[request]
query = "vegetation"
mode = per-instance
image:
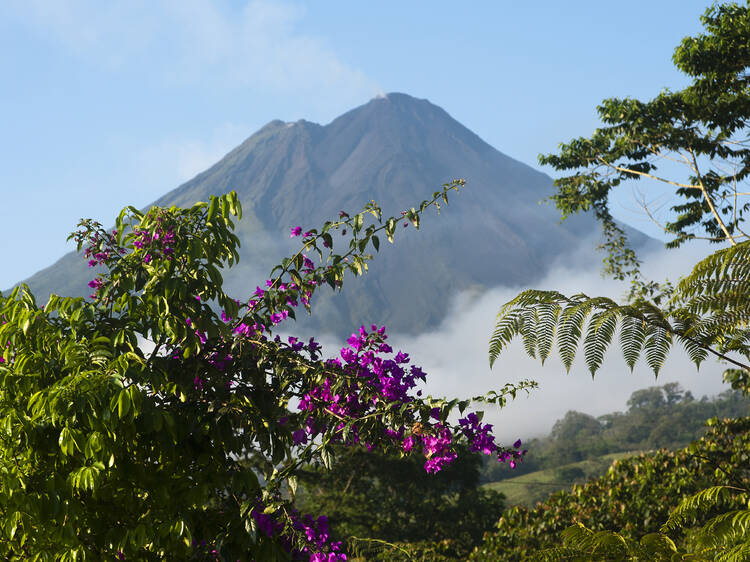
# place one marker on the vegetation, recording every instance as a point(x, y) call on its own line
point(190, 451)
point(391, 499)
point(636, 496)
point(657, 417)
point(705, 128)
point(530, 488)
point(194, 450)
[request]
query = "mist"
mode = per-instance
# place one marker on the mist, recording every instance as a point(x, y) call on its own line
point(455, 355)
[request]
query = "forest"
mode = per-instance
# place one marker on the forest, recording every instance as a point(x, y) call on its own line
point(225, 441)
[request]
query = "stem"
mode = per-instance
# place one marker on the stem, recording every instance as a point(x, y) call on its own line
point(653, 177)
point(710, 202)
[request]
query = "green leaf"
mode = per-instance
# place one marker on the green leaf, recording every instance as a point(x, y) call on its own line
point(212, 208)
point(123, 403)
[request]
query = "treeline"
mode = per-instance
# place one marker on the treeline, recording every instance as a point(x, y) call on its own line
point(372, 498)
point(635, 497)
point(657, 417)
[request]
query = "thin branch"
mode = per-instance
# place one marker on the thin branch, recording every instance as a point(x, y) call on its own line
point(710, 201)
point(653, 177)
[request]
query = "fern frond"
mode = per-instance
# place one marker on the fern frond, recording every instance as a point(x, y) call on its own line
point(738, 553)
point(548, 313)
point(695, 351)
point(725, 529)
point(656, 347)
point(691, 506)
point(579, 537)
point(658, 543)
point(530, 319)
point(599, 334)
point(632, 338)
point(508, 326)
point(717, 322)
point(570, 329)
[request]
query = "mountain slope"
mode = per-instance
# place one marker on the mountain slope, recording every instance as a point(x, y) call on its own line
point(396, 150)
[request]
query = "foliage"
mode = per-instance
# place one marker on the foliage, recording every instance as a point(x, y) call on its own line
point(703, 128)
point(657, 417)
point(390, 498)
point(530, 488)
point(724, 537)
point(187, 451)
point(636, 496)
point(707, 313)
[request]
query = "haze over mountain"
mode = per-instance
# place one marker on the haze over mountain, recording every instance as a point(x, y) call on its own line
point(396, 150)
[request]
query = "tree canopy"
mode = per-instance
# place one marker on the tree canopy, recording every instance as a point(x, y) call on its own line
point(703, 128)
point(191, 450)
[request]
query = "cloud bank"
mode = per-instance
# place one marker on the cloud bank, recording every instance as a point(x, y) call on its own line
point(258, 43)
point(456, 360)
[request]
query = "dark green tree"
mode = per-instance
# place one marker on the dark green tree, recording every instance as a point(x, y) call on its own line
point(390, 498)
point(705, 128)
point(110, 450)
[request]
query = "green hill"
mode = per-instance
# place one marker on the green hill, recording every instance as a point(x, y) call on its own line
point(533, 487)
point(634, 497)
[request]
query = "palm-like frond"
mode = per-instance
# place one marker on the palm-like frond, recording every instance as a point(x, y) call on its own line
point(709, 312)
point(693, 505)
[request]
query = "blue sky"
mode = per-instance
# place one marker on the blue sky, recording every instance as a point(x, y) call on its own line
point(105, 104)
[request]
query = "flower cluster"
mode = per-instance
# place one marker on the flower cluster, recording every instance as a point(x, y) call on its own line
point(379, 387)
point(375, 384)
point(319, 547)
point(159, 243)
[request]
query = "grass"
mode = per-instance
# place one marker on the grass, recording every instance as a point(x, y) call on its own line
point(534, 487)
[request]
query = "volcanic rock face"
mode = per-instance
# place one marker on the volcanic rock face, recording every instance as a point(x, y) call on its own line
point(396, 150)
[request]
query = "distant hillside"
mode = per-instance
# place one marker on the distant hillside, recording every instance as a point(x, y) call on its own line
point(581, 447)
point(397, 150)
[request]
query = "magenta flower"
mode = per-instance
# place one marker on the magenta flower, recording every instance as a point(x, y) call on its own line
point(296, 231)
point(299, 437)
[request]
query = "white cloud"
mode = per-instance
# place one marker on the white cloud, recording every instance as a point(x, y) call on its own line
point(260, 44)
point(455, 355)
point(172, 161)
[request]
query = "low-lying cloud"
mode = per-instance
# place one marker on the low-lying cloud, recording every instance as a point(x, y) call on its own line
point(455, 357)
point(455, 354)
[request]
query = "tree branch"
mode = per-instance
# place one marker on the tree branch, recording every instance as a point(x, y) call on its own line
point(653, 177)
point(709, 200)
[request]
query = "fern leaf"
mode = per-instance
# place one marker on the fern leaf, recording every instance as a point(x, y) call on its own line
point(658, 342)
point(578, 536)
point(690, 506)
point(529, 321)
point(546, 327)
point(738, 553)
point(725, 529)
point(695, 351)
point(632, 338)
point(658, 543)
point(570, 330)
point(507, 327)
point(599, 334)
